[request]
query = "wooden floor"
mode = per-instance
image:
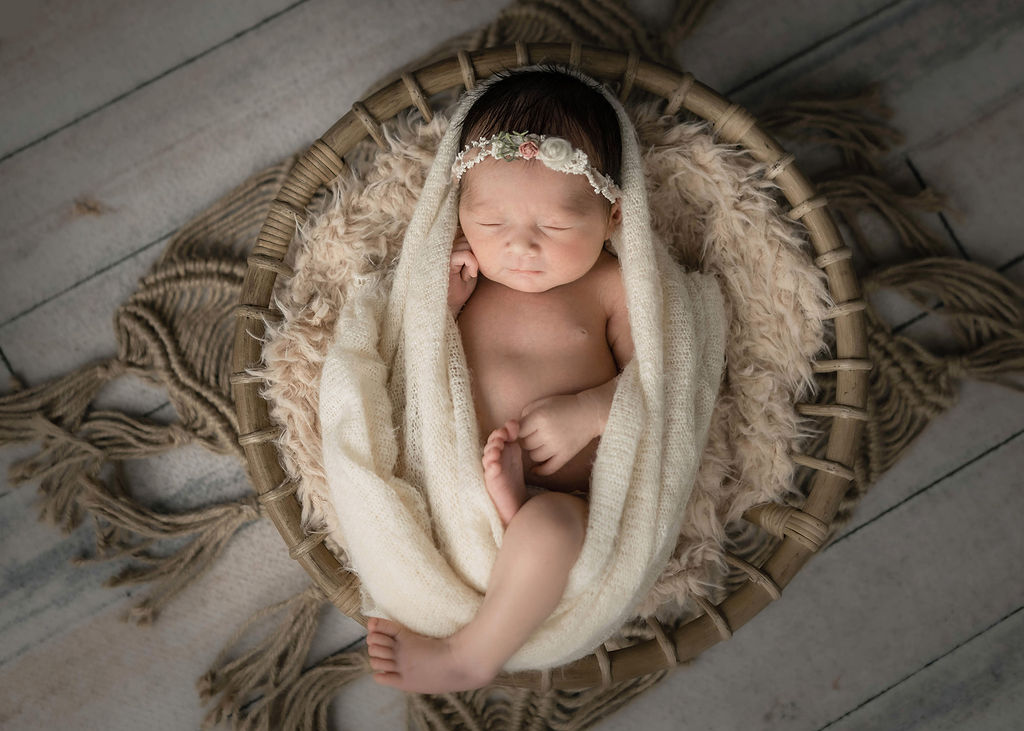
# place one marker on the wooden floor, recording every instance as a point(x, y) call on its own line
point(120, 119)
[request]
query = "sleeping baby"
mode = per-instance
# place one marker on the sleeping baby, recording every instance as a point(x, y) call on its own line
point(541, 309)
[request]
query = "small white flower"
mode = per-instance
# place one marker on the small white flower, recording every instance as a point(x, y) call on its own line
point(555, 152)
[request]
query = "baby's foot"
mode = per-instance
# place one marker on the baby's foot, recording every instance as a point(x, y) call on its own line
point(405, 660)
point(503, 470)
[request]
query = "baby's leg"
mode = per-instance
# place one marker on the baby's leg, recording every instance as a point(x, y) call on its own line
point(540, 546)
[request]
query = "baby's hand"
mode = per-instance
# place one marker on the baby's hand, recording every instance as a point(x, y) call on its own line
point(462, 274)
point(553, 430)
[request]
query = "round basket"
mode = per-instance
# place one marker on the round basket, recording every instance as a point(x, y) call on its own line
point(802, 530)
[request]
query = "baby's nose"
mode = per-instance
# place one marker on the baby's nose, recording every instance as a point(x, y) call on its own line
point(522, 242)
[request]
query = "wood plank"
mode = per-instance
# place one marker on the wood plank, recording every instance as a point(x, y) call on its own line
point(132, 173)
point(77, 328)
point(864, 614)
point(5, 371)
point(979, 684)
point(64, 59)
point(941, 63)
point(979, 168)
point(737, 41)
point(106, 674)
point(44, 593)
point(986, 415)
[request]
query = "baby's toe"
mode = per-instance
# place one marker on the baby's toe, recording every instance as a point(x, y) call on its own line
point(383, 652)
point(391, 680)
point(387, 627)
point(381, 665)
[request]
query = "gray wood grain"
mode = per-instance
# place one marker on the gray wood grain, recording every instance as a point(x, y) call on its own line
point(133, 172)
point(978, 684)
point(64, 59)
point(869, 611)
point(979, 168)
point(724, 54)
point(104, 673)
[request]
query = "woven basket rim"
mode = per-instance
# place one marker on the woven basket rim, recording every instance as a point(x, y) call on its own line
point(803, 530)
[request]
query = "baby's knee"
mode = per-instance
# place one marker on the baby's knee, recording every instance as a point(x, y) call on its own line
point(561, 516)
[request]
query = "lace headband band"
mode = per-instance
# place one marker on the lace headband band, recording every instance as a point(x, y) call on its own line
point(555, 152)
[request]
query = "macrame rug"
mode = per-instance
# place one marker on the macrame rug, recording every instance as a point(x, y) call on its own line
point(176, 332)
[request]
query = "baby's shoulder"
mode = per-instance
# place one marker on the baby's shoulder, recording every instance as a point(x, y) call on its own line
point(607, 282)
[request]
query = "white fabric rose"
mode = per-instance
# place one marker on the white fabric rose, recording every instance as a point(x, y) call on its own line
point(555, 152)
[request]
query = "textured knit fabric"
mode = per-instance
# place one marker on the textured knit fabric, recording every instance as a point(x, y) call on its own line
point(402, 448)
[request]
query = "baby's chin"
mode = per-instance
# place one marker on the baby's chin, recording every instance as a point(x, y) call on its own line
point(532, 282)
point(536, 286)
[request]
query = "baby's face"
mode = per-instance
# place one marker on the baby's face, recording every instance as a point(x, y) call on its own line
point(532, 228)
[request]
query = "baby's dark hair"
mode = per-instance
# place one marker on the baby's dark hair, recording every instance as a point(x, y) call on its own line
point(549, 102)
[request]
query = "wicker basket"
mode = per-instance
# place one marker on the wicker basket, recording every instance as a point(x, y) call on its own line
point(802, 530)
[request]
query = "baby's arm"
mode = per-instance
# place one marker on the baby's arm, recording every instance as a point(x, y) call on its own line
point(620, 339)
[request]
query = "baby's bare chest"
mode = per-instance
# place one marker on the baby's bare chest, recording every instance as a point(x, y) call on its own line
point(541, 328)
point(520, 349)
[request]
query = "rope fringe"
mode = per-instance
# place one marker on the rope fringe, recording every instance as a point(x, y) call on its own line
point(305, 702)
point(248, 685)
point(852, 195)
point(850, 123)
point(910, 383)
point(211, 527)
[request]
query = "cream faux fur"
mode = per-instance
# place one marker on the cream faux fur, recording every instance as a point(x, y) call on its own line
point(709, 202)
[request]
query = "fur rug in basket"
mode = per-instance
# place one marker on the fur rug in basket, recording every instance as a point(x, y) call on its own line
point(714, 209)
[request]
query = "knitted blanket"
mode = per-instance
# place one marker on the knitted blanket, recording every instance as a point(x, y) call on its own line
point(402, 450)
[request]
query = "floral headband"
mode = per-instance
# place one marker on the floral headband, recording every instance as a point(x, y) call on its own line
point(555, 152)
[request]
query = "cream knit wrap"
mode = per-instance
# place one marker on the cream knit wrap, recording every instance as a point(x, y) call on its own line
point(402, 449)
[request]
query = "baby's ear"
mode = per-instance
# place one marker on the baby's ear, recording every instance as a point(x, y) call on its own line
point(615, 216)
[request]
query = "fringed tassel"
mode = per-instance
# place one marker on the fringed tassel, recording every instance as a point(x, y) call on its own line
point(515, 709)
point(135, 528)
point(851, 195)
point(68, 468)
point(849, 123)
point(981, 305)
point(248, 684)
point(62, 401)
point(50, 414)
point(304, 703)
point(911, 384)
point(62, 465)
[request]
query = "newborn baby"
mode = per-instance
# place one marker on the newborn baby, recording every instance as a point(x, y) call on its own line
point(541, 310)
point(546, 330)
